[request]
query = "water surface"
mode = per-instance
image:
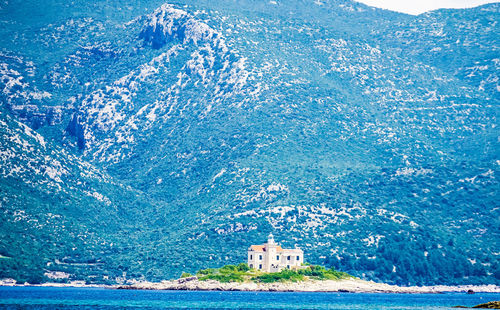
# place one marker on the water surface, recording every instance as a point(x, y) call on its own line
point(98, 298)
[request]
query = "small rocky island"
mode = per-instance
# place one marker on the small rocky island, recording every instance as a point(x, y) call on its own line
point(270, 267)
point(488, 305)
point(309, 279)
point(244, 278)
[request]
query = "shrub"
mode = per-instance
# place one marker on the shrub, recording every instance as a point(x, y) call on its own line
point(228, 269)
point(206, 271)
point(282, 276)
point(232, 273)
point(243, 267)
point(320, 272)
point(186, 275)
point(228, 273)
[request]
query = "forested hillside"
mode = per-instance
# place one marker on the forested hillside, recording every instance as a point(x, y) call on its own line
point(141, 139)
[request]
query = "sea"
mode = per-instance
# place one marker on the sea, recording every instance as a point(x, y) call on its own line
point(101, 298)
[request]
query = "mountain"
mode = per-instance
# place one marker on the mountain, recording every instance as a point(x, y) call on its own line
point(141, 139)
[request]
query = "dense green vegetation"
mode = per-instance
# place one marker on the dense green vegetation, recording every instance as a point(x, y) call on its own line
point(366, 137)
point(228, 273)
point(241, 273)
point(311, 272)
point(282, 276)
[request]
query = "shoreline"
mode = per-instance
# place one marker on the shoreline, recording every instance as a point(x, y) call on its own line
point(327, 286)
point(332, 286)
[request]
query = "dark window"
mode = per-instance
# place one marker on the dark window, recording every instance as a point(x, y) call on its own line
point(288, 266)
point(298, 257)
point(260, 266)
point(251, 256)
point(288, 258)
point(277, 257)
point(251, 265)
point(260, 257)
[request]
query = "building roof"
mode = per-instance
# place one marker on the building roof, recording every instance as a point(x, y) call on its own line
point(262, 248)
point(257, 248)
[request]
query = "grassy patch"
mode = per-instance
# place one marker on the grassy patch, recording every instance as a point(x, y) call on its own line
point(228, 273)
point(242, 273)
point(282, 276)
point(321, 273)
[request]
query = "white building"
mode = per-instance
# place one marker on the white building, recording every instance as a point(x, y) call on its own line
point(271, 257)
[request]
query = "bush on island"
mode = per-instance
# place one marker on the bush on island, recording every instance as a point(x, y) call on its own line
point(206, 271)
point(241, 272)
point(285, 275)
point(243, 267)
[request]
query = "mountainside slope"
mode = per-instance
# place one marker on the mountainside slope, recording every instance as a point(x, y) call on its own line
point(368, 138)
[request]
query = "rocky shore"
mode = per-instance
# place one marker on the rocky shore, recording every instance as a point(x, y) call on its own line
point(346, 285)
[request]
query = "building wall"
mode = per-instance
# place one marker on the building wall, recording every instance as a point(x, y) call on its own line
point(254, 259)
point(291, 258)
point(273, 261)
point(270, 257)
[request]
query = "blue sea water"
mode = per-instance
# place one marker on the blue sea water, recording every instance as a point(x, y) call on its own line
point(97, 298)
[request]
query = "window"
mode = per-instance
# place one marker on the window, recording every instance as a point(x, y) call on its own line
point(288, 266)
point(260, 257)
point(260, 266)
point(251, 256)
point(277, 257)
point(298, 257)
point(251, 265)
point(288, 258)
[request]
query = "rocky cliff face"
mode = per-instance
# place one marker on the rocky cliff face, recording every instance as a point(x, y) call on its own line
point(37, 116)
point(364, 136)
